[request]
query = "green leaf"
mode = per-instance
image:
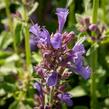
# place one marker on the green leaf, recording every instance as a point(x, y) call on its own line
point(8, 68)
point(5, 40)
point(87, 5)
point(14, 105)
point(29, 101)
point(8, 87)
point(37, 57)
point(2, 92)
point(2, 4)
point(18, 35)
point(107, 32)
point(92, 49)
point(4, 54)
point(69, 3)
point(19, 105)
point(78, 17)
point(80, 107)
point(81, 40)
point(77, 91)
point(34, 8)
point(12, 58)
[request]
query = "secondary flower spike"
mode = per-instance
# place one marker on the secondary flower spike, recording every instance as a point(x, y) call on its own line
point(58, 62)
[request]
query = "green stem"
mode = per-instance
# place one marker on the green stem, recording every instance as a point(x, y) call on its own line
point(27, 44)
point(51, 96)
point(93, 60)
point(72, 14)
point(64, 106)
point(103, 4)
point(7, 3)
point(95, 10)
point(27, 47)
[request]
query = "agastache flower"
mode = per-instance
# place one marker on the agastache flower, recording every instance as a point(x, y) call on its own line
point(57, 57)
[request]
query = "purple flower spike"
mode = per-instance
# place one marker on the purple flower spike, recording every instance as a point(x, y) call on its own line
point(62, 14)
point(65, 97)
point(52, 79)
point(56, 41)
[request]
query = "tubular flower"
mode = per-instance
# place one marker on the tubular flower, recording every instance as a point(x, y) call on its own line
point(56, 41)
point(40, 35)
point(52, 79)
point(65, 97)
point(38, 87)
point(77, 61)
point(62, 14)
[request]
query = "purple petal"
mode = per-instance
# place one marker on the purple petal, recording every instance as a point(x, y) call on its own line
point(93, 27)
point(35, 29)
point(37, 86)
point(85, 73)
point(62, 14)
point(40, 35)
point(47, 107)
point(52, 79)
point(56, 41)
point(79, 49)
point(33, 45)
point(78, 61)
point(45, 35)
point(65, 97)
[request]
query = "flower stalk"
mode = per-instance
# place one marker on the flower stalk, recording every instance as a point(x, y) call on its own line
point(71, 20)
point(26, 30)
point(95, 10)
point(93, 60)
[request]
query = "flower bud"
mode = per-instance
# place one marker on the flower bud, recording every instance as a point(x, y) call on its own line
point(67, 38)
point(93, 27)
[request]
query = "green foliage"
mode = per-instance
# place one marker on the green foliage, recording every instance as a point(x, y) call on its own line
point(5, 40)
